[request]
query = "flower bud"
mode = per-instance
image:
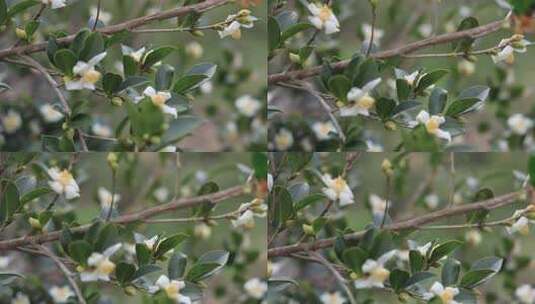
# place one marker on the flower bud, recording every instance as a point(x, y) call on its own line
point(295, 58)
point(35, 223)
point(387, 168)
point(117, 101)
point(308, 229)
point(353, 276)
point(390, 125)
point(113, 160)
point(130, 290)
point(21, 34)
point(197, 33)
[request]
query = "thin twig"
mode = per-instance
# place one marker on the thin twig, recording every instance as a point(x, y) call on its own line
point(68, 274)
point(341, 281)
point(97, 17)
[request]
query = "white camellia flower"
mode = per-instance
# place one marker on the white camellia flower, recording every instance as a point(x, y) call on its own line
point(255, 288)
point(422, 249)
point(151, 243)
point(20, 298)
point(105, 198)
point(425, 29)
point(55, 3)
point(137, 55)
point(100, 266)
point(103, 16)
point(11, 121)
point(283, 140)
point(86, 75)
point(432, 124)
point(377, 204)
point(63, 183)
point(323, 18)
point(519, 124)
point(507, 52)
point(445, 294)
point(465, 67)
point(373, 147)
point(61, 294)
point(171, 288)
point(525, 294)
point(248, 106)
point(378, 34)
point(521, 225)
point(336, 189)
point(161, 194)
point(432, 201)
point(236, 22)
point(323, 130)
point(375, 274)
point(101, 130)
point(194, 49)
point(473, 237)
point(360, 101)
point(202, 231)
point(159, 99)
point(168, 149)
point(412, 78)
point(332, 298)
point(50, 114)
point(245, 220)
point(5, 261)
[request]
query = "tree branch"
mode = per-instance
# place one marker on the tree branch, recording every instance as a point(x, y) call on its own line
point(403, 50)
point(413, 223)
point(127, 25)
point(129, 218)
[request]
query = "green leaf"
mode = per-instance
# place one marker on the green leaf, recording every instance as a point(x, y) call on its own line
point(429, 79)
point(481, 271)
point(188, 82)
point(169, 243)
point(107, 236)
point(531, 169)
point(437, 101)
point(155, 55)
point(94, 45)
point(461, 106)
point(65, 60)
point(78, 43)
point(179, 129)
point(31, 27)
point(164, 77)
point(443, 250)
point(207, 265)
point(309, 200)
point(10, 202)
point(283, 206)
point(177, 265)
point(144, 270)
point(466, 43)
point(294, 30)
point(33, 194)
point(416, 261)
point(20, 7)
point(132, 82)
point(198, 271)
point(3, 12)
point(403, 89)
point(125, 272)
point(405, 106)
point(340, 85)
point(450, 272)
point(129, 66)
point(260, 165)
point(111, 83)
point(385, 107)
point(80, 251)
point(418, 277)
point(143, 254)
point(398, 279)
point(354, 257)
point(274, 34)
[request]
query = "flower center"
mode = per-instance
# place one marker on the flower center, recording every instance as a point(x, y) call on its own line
point(448, 295)
point(172, 289)
point(106, 267)
point(379, 274)
point(325, 13)
point(159, 100)
point(366, 102)
point(339, 184)
point(65, 178)
point(432, 125)
point(91, 76)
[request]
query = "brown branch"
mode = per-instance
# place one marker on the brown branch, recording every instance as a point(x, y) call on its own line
point(403, 50)
point(413, 223)
point(127, 25)
point(129, 218)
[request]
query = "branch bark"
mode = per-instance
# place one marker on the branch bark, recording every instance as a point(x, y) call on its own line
point(127, 25)
point(402, 50)
point(129, 218)
point(413, 223)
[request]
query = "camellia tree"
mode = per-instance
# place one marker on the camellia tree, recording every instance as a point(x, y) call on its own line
point(157, 228)
point(130, 75)
point(400, 228)
point(408, 75)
